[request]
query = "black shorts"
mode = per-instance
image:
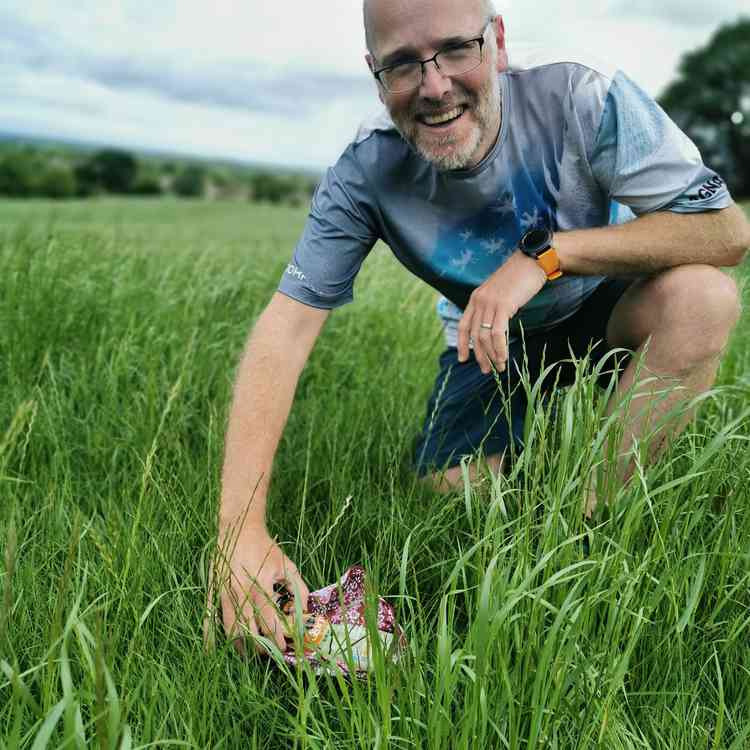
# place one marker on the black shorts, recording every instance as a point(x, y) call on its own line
point(470, 412)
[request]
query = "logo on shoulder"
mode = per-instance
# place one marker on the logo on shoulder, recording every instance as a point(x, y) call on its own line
point(292, 270)
point(708, 189)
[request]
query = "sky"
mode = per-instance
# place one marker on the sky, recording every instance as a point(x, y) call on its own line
point(276, 82)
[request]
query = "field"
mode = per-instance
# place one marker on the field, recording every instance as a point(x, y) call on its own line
point(122, 323)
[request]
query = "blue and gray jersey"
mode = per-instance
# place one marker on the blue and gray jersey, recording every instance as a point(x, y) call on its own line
point(577, 148)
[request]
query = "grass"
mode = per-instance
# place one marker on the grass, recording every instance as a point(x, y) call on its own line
point(122, 322)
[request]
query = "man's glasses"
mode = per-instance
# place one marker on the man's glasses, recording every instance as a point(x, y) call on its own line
point(454, 60)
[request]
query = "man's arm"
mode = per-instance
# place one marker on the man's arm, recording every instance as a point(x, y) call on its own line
point(276, 353)
point(655, 242)
point(651, 243)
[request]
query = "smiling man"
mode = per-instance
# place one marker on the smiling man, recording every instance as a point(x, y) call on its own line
point(452, 121)
point(554, 199)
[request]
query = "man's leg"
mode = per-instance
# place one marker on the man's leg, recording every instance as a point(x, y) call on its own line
point(678, 322)
point(452, 478)
point(468, 414)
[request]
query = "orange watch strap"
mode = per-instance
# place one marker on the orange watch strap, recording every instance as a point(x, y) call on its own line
point(550, 263)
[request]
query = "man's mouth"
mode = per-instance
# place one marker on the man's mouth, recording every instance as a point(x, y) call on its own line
point(443, 118)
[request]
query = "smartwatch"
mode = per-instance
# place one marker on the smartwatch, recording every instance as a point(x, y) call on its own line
point(537, 244)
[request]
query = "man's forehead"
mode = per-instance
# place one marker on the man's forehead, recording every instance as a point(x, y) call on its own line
point(418, 24)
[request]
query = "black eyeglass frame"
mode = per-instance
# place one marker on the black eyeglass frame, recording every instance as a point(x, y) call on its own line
point(480, 39)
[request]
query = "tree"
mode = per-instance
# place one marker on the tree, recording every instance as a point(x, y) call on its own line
point(17, 175)
point(57, 181)
point(275, 188)
point(87, 179)
point(147, 186)
point(190, 183)
point(110, 170)
point(710, 101)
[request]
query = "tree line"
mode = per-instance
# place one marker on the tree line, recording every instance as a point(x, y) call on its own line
point(29, 171)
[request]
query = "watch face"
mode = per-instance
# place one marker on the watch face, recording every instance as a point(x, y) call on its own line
point(535, 241)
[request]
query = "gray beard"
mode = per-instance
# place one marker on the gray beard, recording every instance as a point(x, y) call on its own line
point(487, 109)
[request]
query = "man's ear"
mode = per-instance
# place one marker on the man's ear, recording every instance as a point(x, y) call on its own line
point(502, 53)
point(370, 60)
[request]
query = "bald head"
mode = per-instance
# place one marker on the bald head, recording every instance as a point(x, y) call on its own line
point(370, 8)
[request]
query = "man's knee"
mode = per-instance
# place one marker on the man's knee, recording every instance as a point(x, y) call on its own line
point(452, 478)
point(697, 308)
point(690, 309)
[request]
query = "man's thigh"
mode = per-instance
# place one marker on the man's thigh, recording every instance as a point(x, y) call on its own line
point(634, 317)
point(668, 300)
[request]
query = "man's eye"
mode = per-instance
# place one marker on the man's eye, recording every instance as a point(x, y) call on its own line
point(459, 47)
point(404, 68)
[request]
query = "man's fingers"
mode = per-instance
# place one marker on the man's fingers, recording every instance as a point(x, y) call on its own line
point(237, 625)
point(483, 349)
point(298, 587)
point(500, 343)
point(269, 622)
point(487, 340)
point(249, 619)
point(464, 326)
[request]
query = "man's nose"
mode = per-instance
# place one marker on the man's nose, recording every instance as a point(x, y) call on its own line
point(434, 84)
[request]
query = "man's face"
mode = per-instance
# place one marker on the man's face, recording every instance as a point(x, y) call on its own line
point(451, 122)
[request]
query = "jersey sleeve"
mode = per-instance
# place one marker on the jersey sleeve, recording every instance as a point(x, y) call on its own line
point(338, 235)
point(642, 160)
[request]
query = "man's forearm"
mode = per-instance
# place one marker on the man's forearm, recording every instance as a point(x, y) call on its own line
point(263, 395)
point(260, 408)
point(655, 242)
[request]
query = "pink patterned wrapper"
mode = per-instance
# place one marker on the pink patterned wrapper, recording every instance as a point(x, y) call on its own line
point(335, 632)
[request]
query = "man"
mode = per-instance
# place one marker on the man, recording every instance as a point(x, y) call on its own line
point(500, 187)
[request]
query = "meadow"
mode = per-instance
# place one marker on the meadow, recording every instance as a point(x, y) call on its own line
point(121, 325)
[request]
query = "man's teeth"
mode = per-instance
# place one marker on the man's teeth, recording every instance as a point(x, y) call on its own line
point(439, 119)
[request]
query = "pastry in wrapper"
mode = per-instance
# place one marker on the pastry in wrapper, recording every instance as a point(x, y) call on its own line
point(335, 633)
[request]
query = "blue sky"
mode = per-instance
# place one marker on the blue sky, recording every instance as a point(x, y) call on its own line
point(279, 82)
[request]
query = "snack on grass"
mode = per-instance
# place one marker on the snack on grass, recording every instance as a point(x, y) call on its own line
point(335, 632)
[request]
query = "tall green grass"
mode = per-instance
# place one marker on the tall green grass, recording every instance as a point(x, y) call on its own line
point(122, 323)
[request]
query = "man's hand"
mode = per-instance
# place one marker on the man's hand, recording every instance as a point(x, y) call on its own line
point(492, 305)
point(248, 566)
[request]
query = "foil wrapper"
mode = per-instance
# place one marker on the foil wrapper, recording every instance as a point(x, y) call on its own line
point(336, 638)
